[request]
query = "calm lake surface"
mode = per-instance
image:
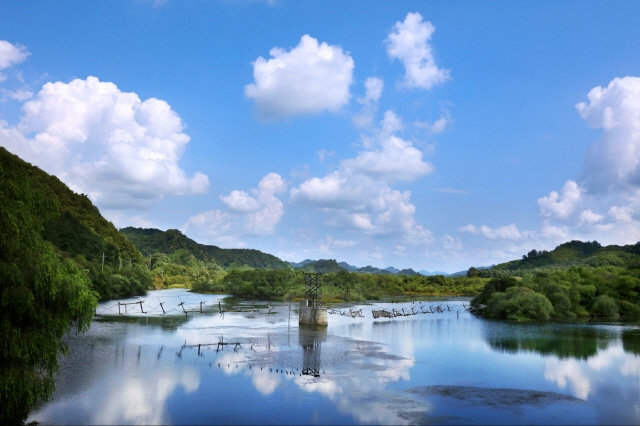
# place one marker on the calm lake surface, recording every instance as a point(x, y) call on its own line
point(442, 368)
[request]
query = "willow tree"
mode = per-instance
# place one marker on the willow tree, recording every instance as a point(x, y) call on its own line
point(41, 298)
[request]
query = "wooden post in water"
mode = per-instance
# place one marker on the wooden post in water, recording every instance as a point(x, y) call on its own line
point(201, 306)
point(162, 307)
point(119, 309)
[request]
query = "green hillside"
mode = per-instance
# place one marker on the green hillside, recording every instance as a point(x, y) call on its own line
point(573, 253)
point(184, 251)
point(79, 232)
point(322, 266)
point(77, 209)
point(80, 228)
point(372, 270)
point(43, 296)
point(576, 279)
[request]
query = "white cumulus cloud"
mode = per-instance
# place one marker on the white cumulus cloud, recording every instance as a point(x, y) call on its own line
point(250, 214)
point(409, 43)
point(310, 78)
point(357, 195)
point(615, 159)
point(508, 232)
point(604, 201)
point(558, 234)
point(562, 205)
point(621, 214)
point(589, 217)
point(108, 144)
point(390, 158)
point(373, 90)
point(11, 54)
point(20, 95)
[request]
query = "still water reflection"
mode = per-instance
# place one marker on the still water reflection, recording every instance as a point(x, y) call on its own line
point(448, 367)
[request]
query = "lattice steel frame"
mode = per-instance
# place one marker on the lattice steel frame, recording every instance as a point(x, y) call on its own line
point(311, 356)
point(313, 289)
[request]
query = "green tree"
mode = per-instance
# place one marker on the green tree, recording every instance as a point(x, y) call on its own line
point(473, 272)
point(520, 304)
point(41, 297)
point(605, 306)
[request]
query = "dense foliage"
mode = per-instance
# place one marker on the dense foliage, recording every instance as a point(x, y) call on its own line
point(182, 269)
point(77, 209)
point(79, 233)
point(567, 255)
point(41, 296)
point(606, 292)
point(322, 266)
point(337, 286)
point(182, 250)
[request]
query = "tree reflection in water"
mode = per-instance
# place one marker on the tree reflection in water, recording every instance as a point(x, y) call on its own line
point(579, 341)
point(631, 341)
point(421, 369)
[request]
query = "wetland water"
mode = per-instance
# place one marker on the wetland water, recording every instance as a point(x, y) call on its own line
point(442, 368)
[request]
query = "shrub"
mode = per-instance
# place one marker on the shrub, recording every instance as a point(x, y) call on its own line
point(629, 310)
point(605, 306)
point(495, 285)
point(520, 304)
point(207, 287)
point(561, 304)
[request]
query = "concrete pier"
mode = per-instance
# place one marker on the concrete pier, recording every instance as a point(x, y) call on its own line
point(312, 315)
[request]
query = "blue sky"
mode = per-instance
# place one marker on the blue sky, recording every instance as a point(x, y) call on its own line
point(432, 135)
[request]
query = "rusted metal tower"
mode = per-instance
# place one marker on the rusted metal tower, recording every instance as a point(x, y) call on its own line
point(313, 289)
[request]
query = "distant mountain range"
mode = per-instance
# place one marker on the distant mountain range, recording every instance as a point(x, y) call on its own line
point(427, 273)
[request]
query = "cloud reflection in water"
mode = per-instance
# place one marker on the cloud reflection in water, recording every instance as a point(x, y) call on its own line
point(364, 371)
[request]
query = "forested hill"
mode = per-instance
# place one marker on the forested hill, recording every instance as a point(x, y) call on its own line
point(75, 228)
point(321, 266)
point(80, 229)
point(325, 266)
point(576, 279)
point(183, 250)
point(575, 253)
